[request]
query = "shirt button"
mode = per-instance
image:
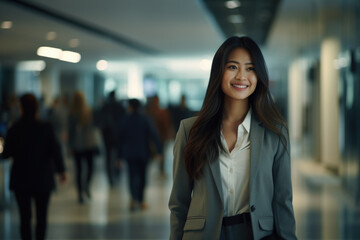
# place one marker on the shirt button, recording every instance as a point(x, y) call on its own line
point(231, 170)
point(231, 191)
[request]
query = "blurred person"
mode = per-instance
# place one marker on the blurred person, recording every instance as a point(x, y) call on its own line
point(163, 123)
point(136, 131)
point(180, 112)
point(59, 116)
point(36, 157)
point(13, 106)
point(82, 143)
point(232, 174)
point(43, 108)
point(110, 115)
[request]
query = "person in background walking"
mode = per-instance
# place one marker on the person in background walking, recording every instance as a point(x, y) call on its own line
point(162, 120)
point(37, 156)
point(111, 112)
point(136, 131)
point(82, 143)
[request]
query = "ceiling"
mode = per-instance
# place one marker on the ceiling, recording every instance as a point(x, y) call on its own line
point(246, 17)
point(123, 30)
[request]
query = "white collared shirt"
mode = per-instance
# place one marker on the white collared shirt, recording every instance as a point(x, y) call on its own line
point(235, 171)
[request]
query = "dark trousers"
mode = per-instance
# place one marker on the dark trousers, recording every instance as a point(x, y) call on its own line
point(24, 200)
point(137, 178)
point(110, 149)
point(81, 157)
point(234, 231)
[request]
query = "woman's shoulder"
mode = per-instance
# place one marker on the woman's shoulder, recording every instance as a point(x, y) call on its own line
point(188, 122)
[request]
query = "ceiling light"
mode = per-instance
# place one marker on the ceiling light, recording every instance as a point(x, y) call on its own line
point(236, 19)
point(50, 36)
point(73, 43)
point(57, 53)
point(232, 4)
point(102, 65)
point(6, 24)
point(49, 52)
point(69, 56)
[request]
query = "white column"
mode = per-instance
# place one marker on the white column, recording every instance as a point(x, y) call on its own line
point(135, 82)
point(329, 104)
point(296, 82)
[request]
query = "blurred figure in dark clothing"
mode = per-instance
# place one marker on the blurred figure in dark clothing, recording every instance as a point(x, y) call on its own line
point(136, 131)
point(36, 157)
point(13, 108)
point(82, 142)
point(59, 116)
point(110, 115)
point(163, 123)
point(180, 112)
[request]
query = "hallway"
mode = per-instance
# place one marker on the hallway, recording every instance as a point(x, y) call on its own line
point(322, 209)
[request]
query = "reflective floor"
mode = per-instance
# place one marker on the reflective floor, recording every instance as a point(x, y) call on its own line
point(323, 210)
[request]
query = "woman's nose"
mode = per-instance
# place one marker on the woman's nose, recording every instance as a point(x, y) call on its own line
point(240, 75)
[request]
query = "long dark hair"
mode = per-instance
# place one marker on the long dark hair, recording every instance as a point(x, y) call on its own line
point(204, 138)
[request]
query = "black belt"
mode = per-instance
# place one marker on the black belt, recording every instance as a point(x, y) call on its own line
point(237, 219)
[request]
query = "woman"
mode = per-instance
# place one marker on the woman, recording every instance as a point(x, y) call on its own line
point(232, 163)
point(36, 157)
point(82, 142)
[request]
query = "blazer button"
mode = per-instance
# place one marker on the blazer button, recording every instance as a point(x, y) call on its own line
point(252, 208)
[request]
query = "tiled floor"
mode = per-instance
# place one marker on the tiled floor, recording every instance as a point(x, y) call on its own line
point(322, 209)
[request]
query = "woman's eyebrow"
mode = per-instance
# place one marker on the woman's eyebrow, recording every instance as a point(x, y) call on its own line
point(236, 62)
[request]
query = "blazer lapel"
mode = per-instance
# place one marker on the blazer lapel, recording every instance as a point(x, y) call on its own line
point(215, 170)
point(256, 139)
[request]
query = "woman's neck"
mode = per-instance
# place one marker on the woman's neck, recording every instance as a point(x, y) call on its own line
point(235, 111)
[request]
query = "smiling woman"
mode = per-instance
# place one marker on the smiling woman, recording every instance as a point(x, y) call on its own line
point(232, 173)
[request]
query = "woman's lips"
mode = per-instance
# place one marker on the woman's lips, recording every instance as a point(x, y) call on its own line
point(241, 86)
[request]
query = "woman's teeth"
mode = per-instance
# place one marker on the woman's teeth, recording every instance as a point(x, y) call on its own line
point(239, 86)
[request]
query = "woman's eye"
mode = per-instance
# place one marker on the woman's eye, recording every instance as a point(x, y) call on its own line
point(251, 69)
point(232, 67)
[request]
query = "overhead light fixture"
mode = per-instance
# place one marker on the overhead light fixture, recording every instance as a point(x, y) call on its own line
point(57, 53)
point(232, 4)
point(236, 18)
point(50, 36)
point(6, 24)
point(73, 43)
point(49, 52)
point(69, 56)
point(102, 65)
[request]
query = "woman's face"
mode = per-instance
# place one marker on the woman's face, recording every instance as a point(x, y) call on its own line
point(239, 79)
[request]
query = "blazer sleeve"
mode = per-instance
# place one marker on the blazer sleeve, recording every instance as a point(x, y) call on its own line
point(282, 201)
point(180, 197)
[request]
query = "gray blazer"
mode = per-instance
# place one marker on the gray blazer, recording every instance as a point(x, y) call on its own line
point(197, 205)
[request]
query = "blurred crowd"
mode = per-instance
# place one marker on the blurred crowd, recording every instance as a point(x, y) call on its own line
point(37, 139)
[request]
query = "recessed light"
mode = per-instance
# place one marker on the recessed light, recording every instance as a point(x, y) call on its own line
point(232, 4)
point(73, 43)
point(6, 24)
point(102, 65)
point(51, 36)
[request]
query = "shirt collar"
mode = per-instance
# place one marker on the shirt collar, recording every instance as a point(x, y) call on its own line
point(247, 121)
